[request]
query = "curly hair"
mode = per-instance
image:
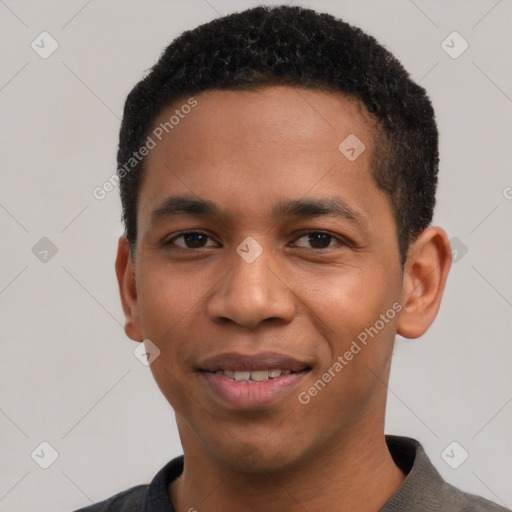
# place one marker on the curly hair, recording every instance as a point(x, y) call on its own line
point(299, 47)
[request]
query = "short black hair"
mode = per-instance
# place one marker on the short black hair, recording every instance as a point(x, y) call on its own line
point(298, 47)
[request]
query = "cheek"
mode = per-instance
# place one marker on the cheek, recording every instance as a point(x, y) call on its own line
point(171, 306)
point(347, 310)
point(166, 299)
point(168, 305)
point(359, 343)
point(348, 300)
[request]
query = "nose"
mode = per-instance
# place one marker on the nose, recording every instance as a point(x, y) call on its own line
point(251, 293)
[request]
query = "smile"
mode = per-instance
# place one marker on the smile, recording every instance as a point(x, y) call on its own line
point(252, 376)
point(251, 381)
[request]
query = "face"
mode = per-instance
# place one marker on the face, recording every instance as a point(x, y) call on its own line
point(263, 254)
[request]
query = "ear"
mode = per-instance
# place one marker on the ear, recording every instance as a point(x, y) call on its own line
point(125, 272)
point(426, 269)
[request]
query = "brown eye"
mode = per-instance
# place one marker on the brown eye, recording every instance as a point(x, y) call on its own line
point(318, 240)
point(191, 240)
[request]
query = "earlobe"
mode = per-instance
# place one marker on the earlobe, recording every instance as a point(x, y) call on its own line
point(425, 274)
point(125, 273)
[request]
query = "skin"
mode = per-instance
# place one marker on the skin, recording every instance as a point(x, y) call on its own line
point(247, 150)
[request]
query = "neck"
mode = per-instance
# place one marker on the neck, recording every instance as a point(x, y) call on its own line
point(358, 475)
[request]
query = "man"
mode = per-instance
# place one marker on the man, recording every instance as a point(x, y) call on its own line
point(278, 171)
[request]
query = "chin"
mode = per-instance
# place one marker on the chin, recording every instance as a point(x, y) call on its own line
point(258, 457)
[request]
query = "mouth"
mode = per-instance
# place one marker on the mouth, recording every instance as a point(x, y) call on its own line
point(254, 375)
point(252, 381)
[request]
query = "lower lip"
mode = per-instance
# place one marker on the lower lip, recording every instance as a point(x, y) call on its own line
point(251, 395)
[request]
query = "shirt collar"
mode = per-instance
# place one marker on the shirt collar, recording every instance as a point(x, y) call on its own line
point(420, 491)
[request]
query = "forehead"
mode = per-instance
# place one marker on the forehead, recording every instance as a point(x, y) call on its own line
point(270, 115)
point(249, 148)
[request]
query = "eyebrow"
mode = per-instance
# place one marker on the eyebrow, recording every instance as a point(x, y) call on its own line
point(184, 205)
point(307, 208)
point(295, 208)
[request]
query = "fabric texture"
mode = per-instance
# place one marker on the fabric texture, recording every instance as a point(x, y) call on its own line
point(423, 489)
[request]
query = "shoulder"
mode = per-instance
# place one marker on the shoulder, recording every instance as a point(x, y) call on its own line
point(153, 496)
point(423, 489)
point(466, 502)
point(126, 501)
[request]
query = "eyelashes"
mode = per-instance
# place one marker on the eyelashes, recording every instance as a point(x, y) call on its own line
point(195, 236)
point(194, 240)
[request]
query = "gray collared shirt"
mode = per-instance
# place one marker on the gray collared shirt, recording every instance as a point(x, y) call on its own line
point(423, 489)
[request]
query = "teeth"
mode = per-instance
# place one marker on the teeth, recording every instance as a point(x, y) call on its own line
point(242, 375)
point(259, 375)
point(256, 375)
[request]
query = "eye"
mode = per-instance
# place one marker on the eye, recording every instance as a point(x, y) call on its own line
point(191, 240)
point(319, 240)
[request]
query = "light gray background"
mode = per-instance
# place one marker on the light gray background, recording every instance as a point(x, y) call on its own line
point(68, 374)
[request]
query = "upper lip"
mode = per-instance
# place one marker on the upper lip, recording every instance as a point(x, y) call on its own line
point(252, 362)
